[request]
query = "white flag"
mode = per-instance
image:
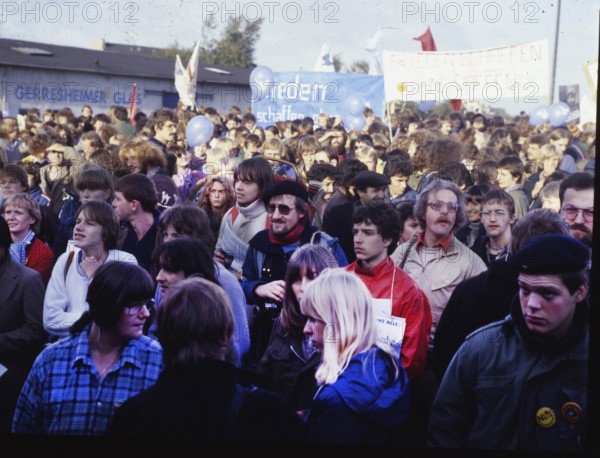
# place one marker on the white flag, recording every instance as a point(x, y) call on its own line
point(324, 62)
point(186, 78)
point(375, 47)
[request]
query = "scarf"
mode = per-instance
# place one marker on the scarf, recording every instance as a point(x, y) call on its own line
point(290, 238)
point(18, 250)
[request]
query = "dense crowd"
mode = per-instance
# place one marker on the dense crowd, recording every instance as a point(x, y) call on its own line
point(422, 282)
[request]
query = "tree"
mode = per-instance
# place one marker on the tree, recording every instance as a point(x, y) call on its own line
point(337, 63)
point(235, 48)
point(359, 66)
point(237, 45)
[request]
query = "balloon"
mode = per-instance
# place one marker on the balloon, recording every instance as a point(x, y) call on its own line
point(261, 80)
point(353, 122)
point(354, 105)
point(199, 130)
point(426, 105)
point(539, 116)
point(558, 113)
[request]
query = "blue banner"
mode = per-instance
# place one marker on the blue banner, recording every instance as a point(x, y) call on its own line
point(295, 95)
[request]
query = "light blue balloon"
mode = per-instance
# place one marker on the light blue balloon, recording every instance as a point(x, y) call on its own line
point(354, 105)
point(539, 116)
point(353, 122)
point(558, 113)
point(261, 80)
point(199, 130)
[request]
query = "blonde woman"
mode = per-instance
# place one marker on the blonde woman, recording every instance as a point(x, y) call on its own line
point(548, 159)
point(23, 216)
point(363, 389)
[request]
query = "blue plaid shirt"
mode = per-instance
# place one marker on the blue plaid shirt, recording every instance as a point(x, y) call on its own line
point(63, 393)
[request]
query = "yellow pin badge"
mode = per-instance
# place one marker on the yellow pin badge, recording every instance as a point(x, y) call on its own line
point(545, 417)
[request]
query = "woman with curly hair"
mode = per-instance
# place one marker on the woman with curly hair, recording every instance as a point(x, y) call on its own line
point(217, 197)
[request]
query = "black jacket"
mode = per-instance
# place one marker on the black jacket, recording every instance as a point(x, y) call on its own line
point(200, 403)
point(475, 302)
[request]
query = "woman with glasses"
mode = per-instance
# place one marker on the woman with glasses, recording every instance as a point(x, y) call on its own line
point(77, 384)
point(198, 396)
point(94, 243)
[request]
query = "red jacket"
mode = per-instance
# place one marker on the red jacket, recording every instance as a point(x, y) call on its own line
point(409, 302)
point(40, 258)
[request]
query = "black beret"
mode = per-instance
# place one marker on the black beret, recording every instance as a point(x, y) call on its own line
point(285, 187)
point(550, 255)
point(368, 178)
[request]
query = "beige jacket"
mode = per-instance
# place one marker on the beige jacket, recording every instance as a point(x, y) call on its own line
point(438, 273)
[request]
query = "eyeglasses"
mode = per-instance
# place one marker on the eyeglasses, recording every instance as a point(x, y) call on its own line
point(136, 308)
point(571, 212)
point(496, 213)
point(283, 209)
point(437, 205)
point(55, 151)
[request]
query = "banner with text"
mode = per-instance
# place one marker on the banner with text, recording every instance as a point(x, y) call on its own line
point(520, 72)
point(295, 95)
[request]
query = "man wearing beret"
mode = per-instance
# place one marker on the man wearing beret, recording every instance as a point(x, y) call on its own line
point(269, 251)
point(369, 186)
point(521, 383)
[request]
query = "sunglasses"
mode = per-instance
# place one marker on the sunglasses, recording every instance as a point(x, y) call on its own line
point(55, 151)
point(283, 209)
point(136, 308)
point(437, 205)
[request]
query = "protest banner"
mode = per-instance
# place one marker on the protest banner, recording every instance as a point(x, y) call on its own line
point(519, 72)
point(295, 95)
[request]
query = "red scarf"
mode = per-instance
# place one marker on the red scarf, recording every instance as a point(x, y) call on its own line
point(286, 239)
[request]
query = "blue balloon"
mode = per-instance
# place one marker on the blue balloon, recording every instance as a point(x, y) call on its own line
point(261, 80)
point(558, 113)
point(426, 105)
point(539, 116)
point(354, 105)
point(199, 130)
point(353, 122)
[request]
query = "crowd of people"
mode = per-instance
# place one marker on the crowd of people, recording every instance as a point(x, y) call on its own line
point(423, 282)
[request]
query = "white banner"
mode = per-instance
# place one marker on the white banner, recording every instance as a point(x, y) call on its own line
point(520, 72)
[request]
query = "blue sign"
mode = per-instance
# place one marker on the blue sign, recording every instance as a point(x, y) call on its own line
point(296, 95)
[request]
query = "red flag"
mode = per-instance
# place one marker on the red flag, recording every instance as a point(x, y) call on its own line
point(427, 43)
point(455, 104)
point(133, 104)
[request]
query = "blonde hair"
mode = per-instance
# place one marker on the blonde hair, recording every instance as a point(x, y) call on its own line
point(26, 202)
point(342, 301)
point(548, 151)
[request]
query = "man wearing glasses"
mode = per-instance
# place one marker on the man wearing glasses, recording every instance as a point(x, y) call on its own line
point(437, 261)
point(268, 254)
point(576, 196)
point(497, 217)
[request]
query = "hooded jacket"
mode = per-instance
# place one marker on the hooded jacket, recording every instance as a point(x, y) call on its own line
point(365, 405)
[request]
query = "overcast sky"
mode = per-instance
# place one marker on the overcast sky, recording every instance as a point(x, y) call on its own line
point(293, 32)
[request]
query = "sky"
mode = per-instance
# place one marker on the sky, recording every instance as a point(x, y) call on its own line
point(293, 32)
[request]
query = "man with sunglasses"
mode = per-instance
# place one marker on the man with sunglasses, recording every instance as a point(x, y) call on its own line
point(437, 261)
point(268, 254)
